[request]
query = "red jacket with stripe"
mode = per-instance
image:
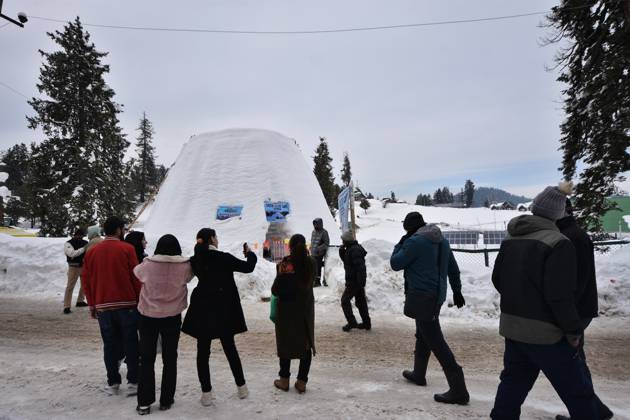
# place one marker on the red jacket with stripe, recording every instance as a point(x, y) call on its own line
point(107, 278)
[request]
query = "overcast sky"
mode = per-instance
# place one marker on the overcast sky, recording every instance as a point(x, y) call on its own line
point(415, 108)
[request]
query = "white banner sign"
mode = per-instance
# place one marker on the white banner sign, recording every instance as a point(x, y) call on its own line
point(344, 208)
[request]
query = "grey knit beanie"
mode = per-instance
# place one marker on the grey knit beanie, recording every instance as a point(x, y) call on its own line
point(347, 236)
point(551, 202)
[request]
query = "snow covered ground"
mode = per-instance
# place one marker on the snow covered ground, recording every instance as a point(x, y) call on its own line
point(51, 368)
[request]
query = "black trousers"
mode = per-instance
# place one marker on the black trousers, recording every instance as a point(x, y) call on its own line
point(305, 367)
point(203, 361)
point(561, 364)
point(358, 293)
point(429, 339)
point(168, 329)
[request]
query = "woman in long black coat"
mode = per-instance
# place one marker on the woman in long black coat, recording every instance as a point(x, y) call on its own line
point(215, 310)
point(295, 321)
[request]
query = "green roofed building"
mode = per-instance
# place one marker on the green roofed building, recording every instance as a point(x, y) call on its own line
point(613, 220)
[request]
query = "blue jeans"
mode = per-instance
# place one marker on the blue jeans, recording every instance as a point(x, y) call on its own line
point(119, 331)
point(562, 364)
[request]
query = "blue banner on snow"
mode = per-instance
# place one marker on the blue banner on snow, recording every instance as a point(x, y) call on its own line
point(227, 212)
point(277, 211)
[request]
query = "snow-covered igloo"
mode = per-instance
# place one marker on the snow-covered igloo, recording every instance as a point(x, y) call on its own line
point(236, 175)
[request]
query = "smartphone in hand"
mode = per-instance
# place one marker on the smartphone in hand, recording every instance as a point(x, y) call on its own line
point(245, 249)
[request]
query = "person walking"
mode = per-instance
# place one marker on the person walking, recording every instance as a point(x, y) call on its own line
point(215, 310)
point(426, 258)
point(535, 274)
point(295, 322)
point(139, 243)
point(353, 256)
point(320, 241)
point(586, 287)
point(112, 292)
point(163, 297)
point(75, 252)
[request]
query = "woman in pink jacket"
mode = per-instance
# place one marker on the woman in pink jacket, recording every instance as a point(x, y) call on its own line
point(163, 297)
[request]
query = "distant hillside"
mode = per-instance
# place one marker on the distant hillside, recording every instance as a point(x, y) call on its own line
point(496, 195)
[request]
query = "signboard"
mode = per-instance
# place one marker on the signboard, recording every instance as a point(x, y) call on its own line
point(344, 207)
point(277, 211)
point(227, 212)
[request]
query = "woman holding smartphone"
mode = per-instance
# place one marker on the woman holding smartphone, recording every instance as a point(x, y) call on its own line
point(215, 310)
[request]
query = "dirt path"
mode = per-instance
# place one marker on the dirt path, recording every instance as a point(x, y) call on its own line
point(51, 366)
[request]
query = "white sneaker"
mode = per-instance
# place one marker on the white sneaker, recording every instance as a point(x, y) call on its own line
point(207, 399)
point(132, 389)
point(112, 389)
point(243, 392)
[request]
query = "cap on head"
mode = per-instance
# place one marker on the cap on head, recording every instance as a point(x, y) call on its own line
point(347, 236)
point(551, 202)
point(413, 221)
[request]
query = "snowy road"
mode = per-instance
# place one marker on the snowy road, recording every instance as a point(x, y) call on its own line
point(51, 367)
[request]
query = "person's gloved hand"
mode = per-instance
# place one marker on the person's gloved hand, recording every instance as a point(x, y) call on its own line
point(458, 299)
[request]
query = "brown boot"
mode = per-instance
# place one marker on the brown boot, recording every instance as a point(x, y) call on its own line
point(300, 386)
point(282, 383)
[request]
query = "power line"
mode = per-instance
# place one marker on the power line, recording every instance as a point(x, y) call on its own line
point(314, 31)
point(17, 92)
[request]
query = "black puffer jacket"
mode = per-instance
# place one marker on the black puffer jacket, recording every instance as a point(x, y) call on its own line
point(353, 257)
point(586, 287)
point(535, 273)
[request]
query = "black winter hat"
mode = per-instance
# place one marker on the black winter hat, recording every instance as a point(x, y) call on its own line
point(413, 221)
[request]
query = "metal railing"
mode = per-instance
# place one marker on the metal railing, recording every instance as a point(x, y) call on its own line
point(487, 251)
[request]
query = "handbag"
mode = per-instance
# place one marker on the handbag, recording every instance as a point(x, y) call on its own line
point(422, 305)
point(273, 308)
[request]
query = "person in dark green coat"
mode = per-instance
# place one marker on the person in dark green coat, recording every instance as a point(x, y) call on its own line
point(295, 321)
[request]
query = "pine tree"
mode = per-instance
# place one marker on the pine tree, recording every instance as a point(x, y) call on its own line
point(84, 145)
point(15, 160)
point(486, 204)
point(324, 173)
point(145, 174)
point(469, 192)
point(346, 172)
point(424, 200)
point(437, 197)
point(595, 69)
point(365, 205)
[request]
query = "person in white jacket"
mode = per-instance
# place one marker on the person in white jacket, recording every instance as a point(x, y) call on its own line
point(75, 251)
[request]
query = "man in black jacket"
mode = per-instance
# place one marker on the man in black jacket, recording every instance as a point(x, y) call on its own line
point(586, 291)
point(535, 274)
point(353, 256)
point(75, 251)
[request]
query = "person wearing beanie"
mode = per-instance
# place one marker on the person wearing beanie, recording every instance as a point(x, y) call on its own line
point(427, 260)
point(94, 237)
point(586, 292)
point(353, 256)
point(535, 274)
point(75, 251)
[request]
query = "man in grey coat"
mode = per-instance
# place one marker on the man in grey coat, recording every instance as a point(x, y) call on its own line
point(320, 242)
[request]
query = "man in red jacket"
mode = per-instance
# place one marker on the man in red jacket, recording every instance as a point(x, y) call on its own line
point(112, 292)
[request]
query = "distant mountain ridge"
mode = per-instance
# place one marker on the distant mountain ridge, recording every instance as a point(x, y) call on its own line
point(496, 195)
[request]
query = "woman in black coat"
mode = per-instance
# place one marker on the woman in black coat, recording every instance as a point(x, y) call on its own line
point(215, 310)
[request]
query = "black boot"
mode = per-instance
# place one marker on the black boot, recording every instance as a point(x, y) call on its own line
point(457, 394)
point(364, 326)
point(418, 374)
point(349, 326)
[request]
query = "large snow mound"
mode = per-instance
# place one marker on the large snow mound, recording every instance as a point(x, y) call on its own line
point(236, 167)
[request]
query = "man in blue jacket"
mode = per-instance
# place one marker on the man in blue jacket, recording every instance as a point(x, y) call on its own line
point(427, 259)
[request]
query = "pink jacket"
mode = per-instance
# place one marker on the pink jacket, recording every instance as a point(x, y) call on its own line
point(164, 292)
